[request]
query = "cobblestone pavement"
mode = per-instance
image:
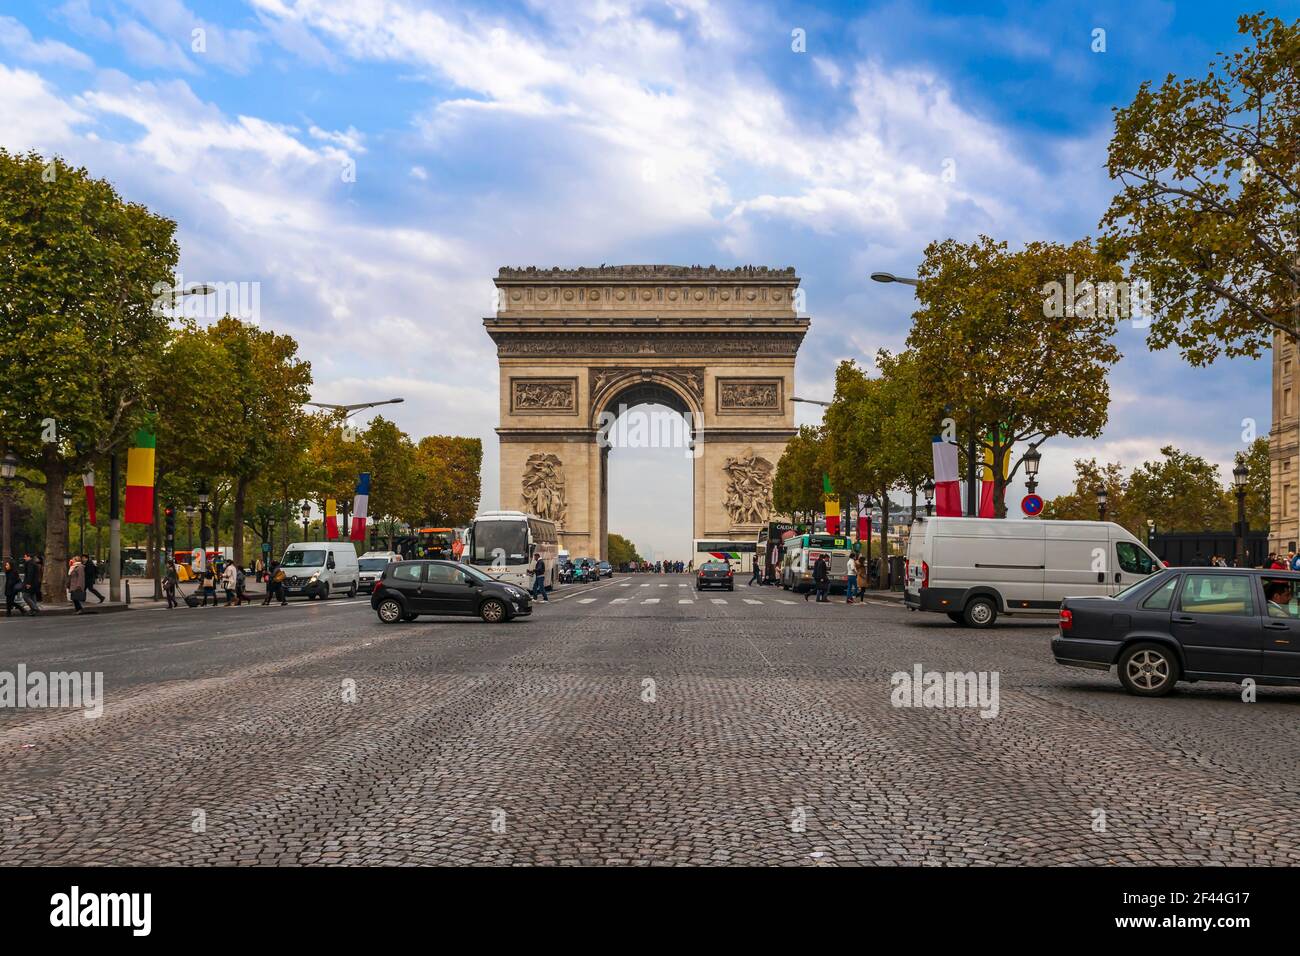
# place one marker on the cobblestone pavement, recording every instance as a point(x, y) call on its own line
point(632, 722)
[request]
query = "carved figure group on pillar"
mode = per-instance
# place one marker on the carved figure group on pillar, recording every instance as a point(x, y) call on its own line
point(543, 487)
point(749, 488)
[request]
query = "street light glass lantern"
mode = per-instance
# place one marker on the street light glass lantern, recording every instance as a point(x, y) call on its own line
point(1102, 497)
point(1239, 475)
point(1033, 458)
point(203, 499)
point(306, 510)
point(928, 488)
point(8, 466)
point(67, 500)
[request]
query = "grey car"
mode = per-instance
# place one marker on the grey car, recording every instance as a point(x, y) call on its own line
point(1192, 624)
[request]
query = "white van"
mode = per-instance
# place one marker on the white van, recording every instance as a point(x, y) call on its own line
point(317, 569)
point(973, 569)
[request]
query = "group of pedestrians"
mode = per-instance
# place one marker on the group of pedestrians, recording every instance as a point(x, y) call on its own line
point(23, 579)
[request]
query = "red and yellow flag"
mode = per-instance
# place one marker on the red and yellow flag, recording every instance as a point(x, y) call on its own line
point(331, 519)
point(139, 478)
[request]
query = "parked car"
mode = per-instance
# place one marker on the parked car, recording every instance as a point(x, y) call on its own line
point(715, 574)
point(605, 569)
point(408, 589)
point(371, 565)
point(1193, 624)
point(973, 569)
point(316, 569)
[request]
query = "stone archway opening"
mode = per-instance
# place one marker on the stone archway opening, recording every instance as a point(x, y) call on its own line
point(647, 469)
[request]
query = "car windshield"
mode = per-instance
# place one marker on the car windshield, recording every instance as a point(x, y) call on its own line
point(303, 559)
point(475, 573)
point(372, 564)
point(500, 542)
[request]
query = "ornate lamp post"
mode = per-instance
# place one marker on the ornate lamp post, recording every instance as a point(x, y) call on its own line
point(928, 488)
point(1102, 498)
point(1151, 533)
point(306, 513)
point(1032, 459)
point(1239, 476)
point(203, 523)
point(8, 468)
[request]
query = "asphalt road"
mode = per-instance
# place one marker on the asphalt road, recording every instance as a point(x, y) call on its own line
point(630, 722)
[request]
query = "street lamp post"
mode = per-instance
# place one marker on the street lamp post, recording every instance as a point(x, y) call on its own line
point(67, 519)
point(189, 527)
point(203, 523)
point(1151, 533)
point(8, 468)
point(1102, 498)
point(306, 513)
point(1032, 459)
point(1239, 476)
point(928, 488)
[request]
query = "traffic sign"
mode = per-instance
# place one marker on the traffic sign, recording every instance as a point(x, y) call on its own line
point(1031, 505)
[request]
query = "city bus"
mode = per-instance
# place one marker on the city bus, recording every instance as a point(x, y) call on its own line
point(737, 553)
point(801, 553)
point(502, 544)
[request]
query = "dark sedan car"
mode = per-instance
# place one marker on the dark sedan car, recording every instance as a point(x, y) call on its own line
point(408, 589)
point(1193, 624)
point(715, 574)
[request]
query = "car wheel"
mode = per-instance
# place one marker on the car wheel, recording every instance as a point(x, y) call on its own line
point(492, 611)
point(352, 591)
point(957, 617)
point(980, 612)
point(1148, 670)
point(390, 611)
point(325, 593)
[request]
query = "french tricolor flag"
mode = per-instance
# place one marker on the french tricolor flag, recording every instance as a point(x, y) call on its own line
point(947, 486)
point(360, 506)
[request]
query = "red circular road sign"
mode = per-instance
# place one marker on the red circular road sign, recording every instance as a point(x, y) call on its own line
point(1031, 505)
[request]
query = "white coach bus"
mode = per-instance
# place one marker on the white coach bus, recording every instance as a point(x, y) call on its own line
point(502, 544)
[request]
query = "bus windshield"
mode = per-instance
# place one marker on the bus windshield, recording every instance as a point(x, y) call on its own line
point(500, 542)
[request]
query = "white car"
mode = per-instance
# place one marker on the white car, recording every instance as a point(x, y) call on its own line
point(370, 567)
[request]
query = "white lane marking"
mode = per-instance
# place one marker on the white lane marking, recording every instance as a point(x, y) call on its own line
point(650, 601)
point(718, 600)
point(587, 601)
point(685, 601)
point(646, 585)
point(683, 585)
point(663, 585)
point(626, 584)
point(752, 601)
point(619, 601)
point(783, 601)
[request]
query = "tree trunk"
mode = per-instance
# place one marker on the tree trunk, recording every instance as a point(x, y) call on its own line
point(237, 531)
point(914, 502)
point(55, 576)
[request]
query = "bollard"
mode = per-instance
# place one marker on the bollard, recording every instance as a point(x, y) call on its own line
point(126, 585)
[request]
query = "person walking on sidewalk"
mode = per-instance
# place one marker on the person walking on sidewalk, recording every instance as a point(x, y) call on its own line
point(92, 575)
point(30, 582)
point(13, 583)
point(275, 585)
point(209, 583)
point(77, 583)
point(171, 581)
point(228, 577)
point(851, 578)
point(539, 578)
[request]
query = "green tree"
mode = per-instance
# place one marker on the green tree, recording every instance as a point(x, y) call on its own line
point(621, 550)
point(1000, 341)
point(394, 484)
point(79, 331)
point(1182, 492)
point(1081, 504)
point(1207, 212)
point(797, 486)
point(270, 385)
point(448, 469)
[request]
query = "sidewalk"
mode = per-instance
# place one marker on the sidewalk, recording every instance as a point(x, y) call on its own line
point(141, 590)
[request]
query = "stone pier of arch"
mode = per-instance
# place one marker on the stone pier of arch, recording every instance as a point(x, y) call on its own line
point(575, 346)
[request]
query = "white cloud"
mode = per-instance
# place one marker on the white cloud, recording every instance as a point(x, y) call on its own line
point(17, 41)
point(32, 116)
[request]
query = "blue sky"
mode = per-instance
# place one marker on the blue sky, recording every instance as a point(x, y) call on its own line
point(610, 131)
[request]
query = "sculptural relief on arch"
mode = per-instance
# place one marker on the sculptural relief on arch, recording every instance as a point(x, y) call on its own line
point(576, 346)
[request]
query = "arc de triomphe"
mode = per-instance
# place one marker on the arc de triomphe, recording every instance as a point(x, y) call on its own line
point(575, 346)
